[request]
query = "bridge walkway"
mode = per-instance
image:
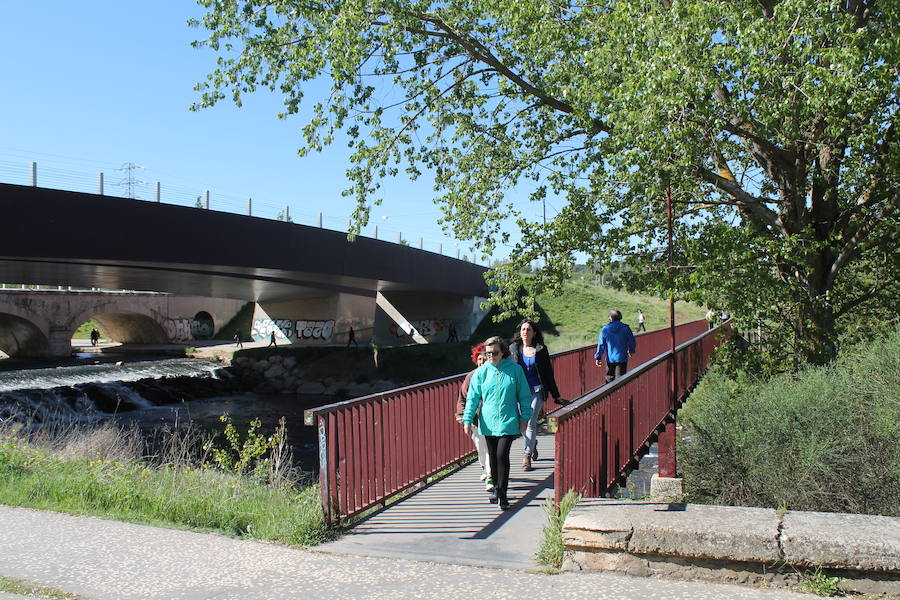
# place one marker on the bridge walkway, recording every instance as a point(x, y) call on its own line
point(452, 522)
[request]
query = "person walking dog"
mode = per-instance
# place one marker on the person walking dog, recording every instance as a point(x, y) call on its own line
point(499, 394)
point(617, 343)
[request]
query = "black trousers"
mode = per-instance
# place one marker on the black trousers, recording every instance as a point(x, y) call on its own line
point(498, 455)
point(614, 370)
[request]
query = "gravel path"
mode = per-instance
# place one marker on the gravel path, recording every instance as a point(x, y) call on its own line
point(107, 560)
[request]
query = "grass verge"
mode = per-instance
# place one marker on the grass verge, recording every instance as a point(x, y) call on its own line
point(550, 549)
point(93, 470)
point(11, 585)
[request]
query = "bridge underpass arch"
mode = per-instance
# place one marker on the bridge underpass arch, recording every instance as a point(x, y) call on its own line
point(128, 327)
point(20, 337)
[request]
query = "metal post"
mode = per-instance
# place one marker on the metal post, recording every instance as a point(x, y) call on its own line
point(440, 248)
point(421, 243)
point(287, 213)
point(399, 237)
point(206, 200)
point(33, 174)
point(320, 220)
point(457, 253)
point(376, 232)
point(100, 183)
point(668, 465)
point(157, 192)
point(249, 207)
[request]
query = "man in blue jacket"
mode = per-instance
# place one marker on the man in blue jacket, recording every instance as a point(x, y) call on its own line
point(617, 343)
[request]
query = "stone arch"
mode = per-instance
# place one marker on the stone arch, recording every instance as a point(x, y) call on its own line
point(20, 337)
point(128, 327)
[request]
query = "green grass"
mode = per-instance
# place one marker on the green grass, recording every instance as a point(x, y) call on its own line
point(823, 439)
point(819, 583)
point(84, 331)
point(574, 318)
point(583, 308)
point(202, 499)
point(11, 585)
point(550, 549)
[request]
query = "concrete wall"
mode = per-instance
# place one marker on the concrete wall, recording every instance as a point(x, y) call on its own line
point(434, 316)
point(318, 321)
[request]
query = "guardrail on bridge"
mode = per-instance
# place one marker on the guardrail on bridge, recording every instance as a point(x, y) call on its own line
point(599, 438)
point(377, 446)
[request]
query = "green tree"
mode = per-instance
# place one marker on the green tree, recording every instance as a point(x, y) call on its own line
point(774, 122)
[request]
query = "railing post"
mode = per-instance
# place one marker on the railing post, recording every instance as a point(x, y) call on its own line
point(33, 174)
point(206, 200)
point(249, 207)
point(100, 183)
point(157, 192)
point(325, 482)
point(320, 220)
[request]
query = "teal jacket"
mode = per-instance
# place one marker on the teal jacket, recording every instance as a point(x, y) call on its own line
point(504, 397)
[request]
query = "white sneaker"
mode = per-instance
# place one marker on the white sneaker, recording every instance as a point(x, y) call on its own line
point(484, 475)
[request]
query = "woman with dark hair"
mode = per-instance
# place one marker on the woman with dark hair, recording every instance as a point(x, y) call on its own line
point(499, 394)
point(528, 350)
point(479, 359)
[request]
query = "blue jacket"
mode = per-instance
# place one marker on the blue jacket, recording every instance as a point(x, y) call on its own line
point(616, 342)
point(503, 395)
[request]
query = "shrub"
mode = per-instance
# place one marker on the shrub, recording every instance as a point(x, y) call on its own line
point(823, 439)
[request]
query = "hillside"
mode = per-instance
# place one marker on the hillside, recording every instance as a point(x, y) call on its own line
point(574, 318)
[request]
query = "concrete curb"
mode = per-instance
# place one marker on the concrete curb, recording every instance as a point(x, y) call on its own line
point(734, 544)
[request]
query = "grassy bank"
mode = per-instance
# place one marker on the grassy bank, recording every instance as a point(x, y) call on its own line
point(824, 439)
point(99, 470)
point(574, 318)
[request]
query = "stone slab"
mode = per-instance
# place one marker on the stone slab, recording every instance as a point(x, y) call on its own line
point(838, 540)
point(691, 530)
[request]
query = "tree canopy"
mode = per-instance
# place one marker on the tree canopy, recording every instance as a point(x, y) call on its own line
point(773, 122)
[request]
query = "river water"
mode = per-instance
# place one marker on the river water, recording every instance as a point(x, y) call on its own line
point(151, 394)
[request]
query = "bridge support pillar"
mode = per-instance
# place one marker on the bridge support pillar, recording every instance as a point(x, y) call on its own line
point(665, 486)
point(59, 340)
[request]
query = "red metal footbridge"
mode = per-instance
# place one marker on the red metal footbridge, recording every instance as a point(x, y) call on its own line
point(377, 448)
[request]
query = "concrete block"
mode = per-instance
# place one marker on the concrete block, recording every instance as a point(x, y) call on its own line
point(692, 530)
point(666, 489)
point(838, 540)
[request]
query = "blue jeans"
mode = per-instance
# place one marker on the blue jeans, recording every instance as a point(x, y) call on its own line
point(537, 402)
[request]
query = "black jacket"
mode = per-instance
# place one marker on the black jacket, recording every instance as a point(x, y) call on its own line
point(543, 364)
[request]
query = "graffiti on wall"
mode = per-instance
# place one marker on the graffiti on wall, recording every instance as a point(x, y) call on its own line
point(178, 329)
point(287, 329)
point(184, 329)
point(428, 328)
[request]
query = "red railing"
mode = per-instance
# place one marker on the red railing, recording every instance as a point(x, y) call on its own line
point(599, 437)
point(374, 447)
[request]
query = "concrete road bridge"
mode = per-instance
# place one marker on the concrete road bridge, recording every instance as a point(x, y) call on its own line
point(308, 285)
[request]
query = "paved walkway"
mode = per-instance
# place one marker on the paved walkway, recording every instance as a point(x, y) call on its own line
point(452, 522)
point(107, 560)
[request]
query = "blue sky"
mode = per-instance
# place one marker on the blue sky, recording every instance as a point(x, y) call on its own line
point(89, 86)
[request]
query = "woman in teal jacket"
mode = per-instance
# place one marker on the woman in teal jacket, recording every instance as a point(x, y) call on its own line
point(500, 395)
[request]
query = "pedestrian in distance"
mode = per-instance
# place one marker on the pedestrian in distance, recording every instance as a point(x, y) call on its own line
point(711, 318)
point(499, 394)
point(95, 337)
point(351, 338)
point(528, 351)
point(640, 317)
point(479, 359)
point(616, 342)
point(272, 340)
point(237, 339)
